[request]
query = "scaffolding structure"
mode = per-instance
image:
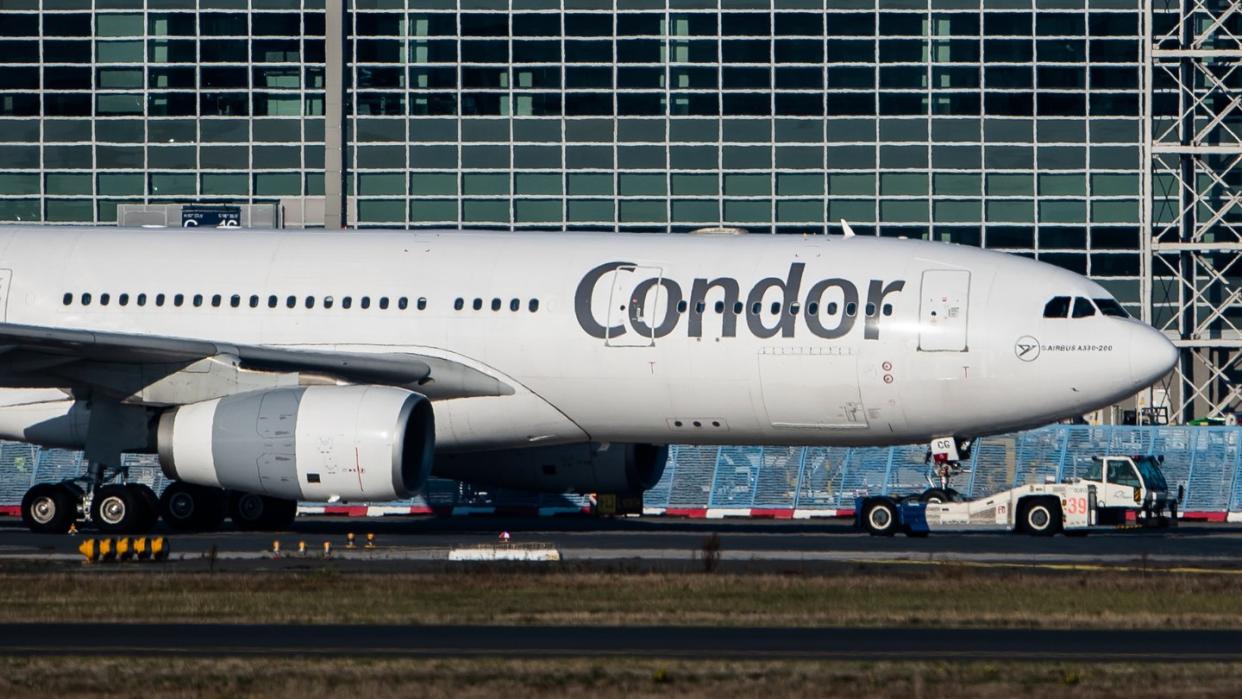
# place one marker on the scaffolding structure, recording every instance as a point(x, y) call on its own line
point(1192, 218)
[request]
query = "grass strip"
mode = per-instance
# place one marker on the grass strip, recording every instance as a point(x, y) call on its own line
point(865, 596)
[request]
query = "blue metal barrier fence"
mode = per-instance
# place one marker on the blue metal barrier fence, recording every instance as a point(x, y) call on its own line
point(811, 480)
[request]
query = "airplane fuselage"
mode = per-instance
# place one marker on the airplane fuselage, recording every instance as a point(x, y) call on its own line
point(625, 337)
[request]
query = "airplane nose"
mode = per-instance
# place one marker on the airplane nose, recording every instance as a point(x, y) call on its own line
point(1151, 355)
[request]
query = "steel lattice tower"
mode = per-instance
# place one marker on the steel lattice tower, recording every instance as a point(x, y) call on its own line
point(1192, 271)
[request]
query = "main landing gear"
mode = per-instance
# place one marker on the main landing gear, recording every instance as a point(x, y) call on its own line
point(101, 495)
point(133, 508)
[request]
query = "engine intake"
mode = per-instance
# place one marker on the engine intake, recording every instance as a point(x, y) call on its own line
point(575, 468)
point(306, 443)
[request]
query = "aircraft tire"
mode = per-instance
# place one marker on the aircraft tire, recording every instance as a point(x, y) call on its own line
point(188, 507)
point(49, 508)
point(119, 509)
point(252, 512)
point(879, 517)
point(935, 496)
point(151, 507)
point(1039, 516)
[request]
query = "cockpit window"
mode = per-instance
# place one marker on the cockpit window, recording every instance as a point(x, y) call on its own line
point(1083, 308)
point(1110, 307)
point(1058, 307)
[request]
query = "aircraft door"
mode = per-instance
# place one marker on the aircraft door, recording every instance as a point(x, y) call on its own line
point(809, 389)
point(637, 306)
point(5, 276)
point(943, 310)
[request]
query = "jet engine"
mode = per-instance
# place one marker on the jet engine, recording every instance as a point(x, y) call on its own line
point(307, 443)
point(578, 468)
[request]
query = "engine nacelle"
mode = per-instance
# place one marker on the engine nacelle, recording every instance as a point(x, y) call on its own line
point(575, 468)
point(307, 443)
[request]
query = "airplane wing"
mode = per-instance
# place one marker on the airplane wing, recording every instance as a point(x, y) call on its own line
point(114, 362)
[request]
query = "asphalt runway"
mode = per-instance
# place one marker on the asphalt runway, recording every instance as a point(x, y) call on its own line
point(404, 542)
point(636, 641)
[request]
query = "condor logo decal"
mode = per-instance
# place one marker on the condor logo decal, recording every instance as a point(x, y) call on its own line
point(838, 297)
point(1026, 348)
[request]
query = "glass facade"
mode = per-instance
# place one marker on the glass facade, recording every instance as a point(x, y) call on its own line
point(1013, 124)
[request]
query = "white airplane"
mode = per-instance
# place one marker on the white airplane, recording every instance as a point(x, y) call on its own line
point(267, 367)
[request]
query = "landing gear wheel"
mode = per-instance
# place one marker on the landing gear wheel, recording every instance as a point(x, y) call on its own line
point(151, 506)
point(936, 496)
point(250, 511)
point(121, 509)
point(49, 508)
point(1039, 517)
point(187, 507)
point(879, 517)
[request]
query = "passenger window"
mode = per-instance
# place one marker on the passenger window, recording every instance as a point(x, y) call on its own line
point(851, 308)
point(67, 299)
point(831, 308)
point(514, 305)
point(364, 302)
point(159, 299)
point(142, 299)
point(198, 300)
point(534, 305)
point(383, 304)
point(755, 308)
point(720, 306)
point(422, 303)
point(1083, 308)
point(327, 302)
point(888, 309)
point(254, 300)
point(812, 308)
point(403, 303)
point(1110, 307)
point(478, 304)
point(793, 309)
point(215, 300)
point(870, 310)
point(104, 298)
point(347, 302)
point(776, 308)
point(700, 307)
point(178, 300)
point(310, 301)
point(86, 299)
point(235, 300)
point(459, 304)
point(737, 308)
point(495, 304)
point(1058, 307)
point(123, 299)
point(291, 301)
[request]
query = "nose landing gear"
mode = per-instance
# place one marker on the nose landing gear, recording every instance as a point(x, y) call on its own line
point(944, 462)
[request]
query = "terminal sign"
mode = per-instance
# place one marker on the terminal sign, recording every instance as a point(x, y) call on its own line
point(211, 216)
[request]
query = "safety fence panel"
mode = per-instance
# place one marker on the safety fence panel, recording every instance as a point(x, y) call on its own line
point(1204, 460)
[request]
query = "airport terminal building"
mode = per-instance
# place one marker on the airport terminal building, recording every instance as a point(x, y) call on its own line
point(971, 120)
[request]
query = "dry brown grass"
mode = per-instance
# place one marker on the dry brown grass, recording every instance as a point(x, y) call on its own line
point(491, 596)
point(71, 678)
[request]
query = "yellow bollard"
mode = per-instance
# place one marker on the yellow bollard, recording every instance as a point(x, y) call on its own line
point(327, 549)
point(276, 548)
point(142, 548)
point(301, 548)
point(159, 548)
point(370, 540)
point(124, 549)
point(89, 549)
point(107, 550)
point(349, 540)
